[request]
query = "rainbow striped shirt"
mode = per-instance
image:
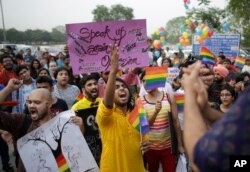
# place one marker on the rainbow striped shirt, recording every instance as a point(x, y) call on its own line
point(159, 134)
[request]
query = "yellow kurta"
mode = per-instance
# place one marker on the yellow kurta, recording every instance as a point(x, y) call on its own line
point(120, 142)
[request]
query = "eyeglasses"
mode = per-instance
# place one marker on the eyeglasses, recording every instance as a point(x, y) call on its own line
point(226, 95)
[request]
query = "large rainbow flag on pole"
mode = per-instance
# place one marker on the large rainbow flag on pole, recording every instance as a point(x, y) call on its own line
point(155, 77)
point(239, 62)
point(207, 56)
point(138, 118)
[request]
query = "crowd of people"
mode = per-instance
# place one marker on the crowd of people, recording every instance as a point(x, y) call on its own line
point(36, 88)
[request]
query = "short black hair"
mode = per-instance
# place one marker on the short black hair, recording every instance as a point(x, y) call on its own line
point(44, 79)
point(19, 68)
point(222, 57)
point(4, 56)
point(61, 69)
point(241, 77)
point(41, 69)
point(229, 88)
point(226, 60)
point(86, 78)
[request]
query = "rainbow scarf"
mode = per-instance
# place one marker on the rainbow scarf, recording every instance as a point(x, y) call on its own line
point(155, 77)
point(62, 164)
point(207, 56)
point(239, 62)
point(138, 118)
point(179, 98)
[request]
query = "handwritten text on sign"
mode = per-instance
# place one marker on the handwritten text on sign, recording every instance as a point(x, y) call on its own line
point(88, 44)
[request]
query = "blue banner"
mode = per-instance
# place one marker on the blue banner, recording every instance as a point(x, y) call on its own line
point(229, 44)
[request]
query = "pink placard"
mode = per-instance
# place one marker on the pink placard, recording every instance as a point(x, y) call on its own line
point(88, 44)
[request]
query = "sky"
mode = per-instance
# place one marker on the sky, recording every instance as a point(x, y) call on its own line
point(47, 14)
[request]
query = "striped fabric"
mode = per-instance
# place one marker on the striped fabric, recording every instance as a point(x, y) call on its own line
point(159, 134)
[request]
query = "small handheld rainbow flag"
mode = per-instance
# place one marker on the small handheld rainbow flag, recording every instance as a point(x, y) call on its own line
point(239, 62)
point(155, 77)
point(138, 118)
point(207, 56)
point(176, 62)
point(179, 98)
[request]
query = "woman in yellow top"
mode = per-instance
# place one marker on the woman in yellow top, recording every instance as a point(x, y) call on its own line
point(121, 142)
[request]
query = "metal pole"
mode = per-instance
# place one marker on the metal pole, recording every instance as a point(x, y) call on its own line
point(4, 35)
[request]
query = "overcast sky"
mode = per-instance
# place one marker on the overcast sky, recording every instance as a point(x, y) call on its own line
point(46, 14)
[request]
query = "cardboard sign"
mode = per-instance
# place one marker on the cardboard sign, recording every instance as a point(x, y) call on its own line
point(57, 145)
point(88, 44)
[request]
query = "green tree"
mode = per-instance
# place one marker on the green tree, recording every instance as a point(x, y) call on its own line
point(204, 2)
point(173, 29)
point(14, 35)
point(240, 11)
point(57, 36)
point(119, 12)
point(209, 15)
point(116, 12)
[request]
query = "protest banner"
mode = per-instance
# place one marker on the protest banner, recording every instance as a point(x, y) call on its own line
point(229, 44)
point(57, 145)
point(91, 132)
point(88, 44)
point(172, 73)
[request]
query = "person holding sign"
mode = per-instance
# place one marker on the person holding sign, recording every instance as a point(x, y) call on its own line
point(121, 141)
point(39, 103)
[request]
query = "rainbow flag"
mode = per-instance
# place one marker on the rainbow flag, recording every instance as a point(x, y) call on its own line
point(207, 56)
point(239, 62)
point(176, 62)
point(155, 77)
point(179, 98)
point(138, 118)
point(62, 164)
point(79, 97)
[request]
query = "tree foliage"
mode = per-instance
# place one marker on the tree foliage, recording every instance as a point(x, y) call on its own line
point(36, 36)
point(211, 16)
point(240, 11)
point(204, 2)
point(172, 29)
point(116, 12)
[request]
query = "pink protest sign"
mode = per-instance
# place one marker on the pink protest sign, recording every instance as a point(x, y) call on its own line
point(88, 44)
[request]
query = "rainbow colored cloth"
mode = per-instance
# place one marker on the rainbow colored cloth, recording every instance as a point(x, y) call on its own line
point(62, 164)
point(155, 77)
point(207, 56)
point(239, 62)
point(138, 118)
point(179, 98)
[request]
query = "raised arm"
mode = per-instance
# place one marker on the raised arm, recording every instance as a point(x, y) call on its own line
point(195, 95)
point(12, 85)
point(108, 99)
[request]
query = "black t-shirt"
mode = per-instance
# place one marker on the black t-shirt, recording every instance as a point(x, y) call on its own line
point(58, 107)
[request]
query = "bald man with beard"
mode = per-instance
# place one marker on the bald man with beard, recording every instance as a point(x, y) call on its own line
point(39, 103)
